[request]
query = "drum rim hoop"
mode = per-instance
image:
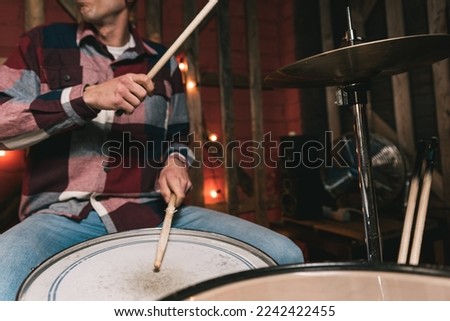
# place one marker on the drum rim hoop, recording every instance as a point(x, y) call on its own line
point(428, 270)
point(137, 233)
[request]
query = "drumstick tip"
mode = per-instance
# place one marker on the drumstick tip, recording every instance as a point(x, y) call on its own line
point(156, 267)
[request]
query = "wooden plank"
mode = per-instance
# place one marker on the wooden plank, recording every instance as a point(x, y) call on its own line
point(359, 16)
point(256, 110)
point(400, 83)
point(153, 24)
point(437, 20)
point(226, 105)
point(334, 121)
point(34, 13)
point(365, 8)
point(194, 104)
point(70, 7)
point(212, 79)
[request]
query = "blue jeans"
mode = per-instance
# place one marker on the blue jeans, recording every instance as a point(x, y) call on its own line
point(41, 236)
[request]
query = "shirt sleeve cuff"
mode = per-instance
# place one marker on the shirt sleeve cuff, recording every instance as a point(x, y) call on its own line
point(75, 106)
point(183, 153)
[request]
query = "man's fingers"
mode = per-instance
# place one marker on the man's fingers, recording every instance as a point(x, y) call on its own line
point(145, 82)
point(189, 188)
point(179, 192)
point(123, 93)
point(176, 186)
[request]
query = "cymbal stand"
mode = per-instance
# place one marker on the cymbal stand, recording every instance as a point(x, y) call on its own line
point(355, 95)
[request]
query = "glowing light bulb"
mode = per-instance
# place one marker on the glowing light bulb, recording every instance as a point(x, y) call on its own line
point(2, 153)
point(183, 66)
point(191, 84)
point(213, 137)
point(214, 193)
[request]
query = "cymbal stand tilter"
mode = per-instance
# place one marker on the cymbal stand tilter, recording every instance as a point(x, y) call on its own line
point(355, 95)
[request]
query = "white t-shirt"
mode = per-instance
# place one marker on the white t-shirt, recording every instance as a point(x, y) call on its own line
point(118, 51)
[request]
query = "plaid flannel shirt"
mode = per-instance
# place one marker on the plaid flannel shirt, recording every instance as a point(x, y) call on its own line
point(80, 159)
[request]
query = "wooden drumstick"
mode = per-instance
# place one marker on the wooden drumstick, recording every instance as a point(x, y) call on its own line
point(423, 203)
point(411, 204)
point(165, 230)
point(182, 37)
point(180, 40)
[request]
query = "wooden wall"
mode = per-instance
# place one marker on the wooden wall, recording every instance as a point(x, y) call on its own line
point(277, 110)
point(403, 108)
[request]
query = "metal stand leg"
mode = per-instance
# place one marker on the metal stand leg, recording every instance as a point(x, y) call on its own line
point(355, 95)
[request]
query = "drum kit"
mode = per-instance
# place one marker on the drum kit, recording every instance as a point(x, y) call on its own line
point(205, 266)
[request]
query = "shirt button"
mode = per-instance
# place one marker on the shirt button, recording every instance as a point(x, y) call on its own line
point(66, 77)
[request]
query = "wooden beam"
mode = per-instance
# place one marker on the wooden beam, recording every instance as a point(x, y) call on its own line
point(334, 121)
point(212, 79)
point(358, 18)
point(34, 13)
point(256, 110)
point(194, 103)
point(245, 181)
point(70, 7)
point(400, 83)
point(153, 24)
point(365, 8)
point(437, 20)
point(226, 99)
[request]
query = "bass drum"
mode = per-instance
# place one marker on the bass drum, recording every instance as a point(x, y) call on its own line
point(315, 282)
point(120, 266)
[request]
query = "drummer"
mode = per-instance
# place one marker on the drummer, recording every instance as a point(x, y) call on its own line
point(88, 173)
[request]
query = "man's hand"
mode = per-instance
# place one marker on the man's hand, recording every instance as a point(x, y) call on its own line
point(174, 178)
point(122, 93)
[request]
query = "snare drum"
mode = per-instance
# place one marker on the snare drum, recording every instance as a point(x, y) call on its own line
point(120, 266)
point(336, 282)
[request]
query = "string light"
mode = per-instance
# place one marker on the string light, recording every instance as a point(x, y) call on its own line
point(214, 193)
point(191, 84)
point(183, 66)
point(213, 137)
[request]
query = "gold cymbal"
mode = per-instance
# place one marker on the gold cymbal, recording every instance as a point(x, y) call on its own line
point(362, 62)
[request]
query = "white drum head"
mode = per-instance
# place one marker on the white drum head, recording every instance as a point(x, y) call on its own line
point(120, 266)
point(321, 282)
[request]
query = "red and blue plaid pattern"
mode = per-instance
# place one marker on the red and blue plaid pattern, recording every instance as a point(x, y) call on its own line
point(80, 159)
